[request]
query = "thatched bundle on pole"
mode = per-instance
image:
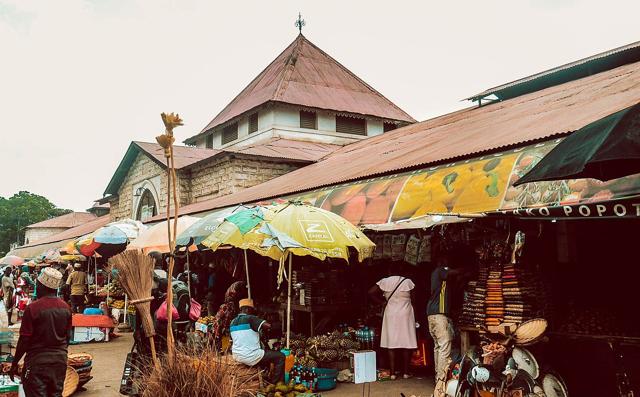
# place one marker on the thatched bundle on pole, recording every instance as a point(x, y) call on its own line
point(166, 140)
point(135, 272)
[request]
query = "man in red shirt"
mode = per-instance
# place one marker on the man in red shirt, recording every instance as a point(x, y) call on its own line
point(44, 336)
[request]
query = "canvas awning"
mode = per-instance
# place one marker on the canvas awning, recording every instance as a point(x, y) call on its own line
point(35, 250)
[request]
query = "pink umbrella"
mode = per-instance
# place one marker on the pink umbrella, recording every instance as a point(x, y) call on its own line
point(11, 260)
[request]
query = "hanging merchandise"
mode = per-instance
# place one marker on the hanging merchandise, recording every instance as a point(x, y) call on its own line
point(398, 247)
point(411, 252)
point(386, 246)
point(378, 239)
point(424, 250)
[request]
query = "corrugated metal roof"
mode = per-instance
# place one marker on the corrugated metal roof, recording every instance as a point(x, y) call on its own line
point(80, 230)
point(556, 110)
point(183, 156)
point(287, 149)
point(594, 64)
point(305, 75)
point(67, 220)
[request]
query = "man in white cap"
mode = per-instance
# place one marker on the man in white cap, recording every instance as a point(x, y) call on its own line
point(44, 336)
point(78, 282)
point(245, 334)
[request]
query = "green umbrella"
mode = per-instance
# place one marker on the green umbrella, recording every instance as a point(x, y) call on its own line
point(606, 149)
point(204, 227)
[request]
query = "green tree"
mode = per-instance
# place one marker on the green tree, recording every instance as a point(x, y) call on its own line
point(21, 210)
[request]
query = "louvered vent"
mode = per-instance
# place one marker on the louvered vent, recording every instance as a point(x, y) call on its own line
point(253, 123)
point(351, 125)
point(230, 133)
point(308, 120)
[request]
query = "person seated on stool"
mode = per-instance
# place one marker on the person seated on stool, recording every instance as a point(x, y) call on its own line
point(245, 334)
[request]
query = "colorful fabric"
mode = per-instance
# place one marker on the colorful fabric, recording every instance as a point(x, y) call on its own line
point(229, 309)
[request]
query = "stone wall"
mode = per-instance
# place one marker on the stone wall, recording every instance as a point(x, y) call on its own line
point(232, 173)
point(146, 173)
point(32, 235)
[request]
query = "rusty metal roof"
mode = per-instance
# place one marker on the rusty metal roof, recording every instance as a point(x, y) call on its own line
point(305, 75)
point(69, 220)
point(594, 64)
point(289, 149)
point(535, 116)
point(183, 156)
point(80, 230)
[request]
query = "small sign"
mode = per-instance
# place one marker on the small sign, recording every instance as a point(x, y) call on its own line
point(316, 231)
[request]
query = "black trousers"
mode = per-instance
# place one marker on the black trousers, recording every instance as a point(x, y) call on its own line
point(44, 380)
point(277, 359)
point(77, 303)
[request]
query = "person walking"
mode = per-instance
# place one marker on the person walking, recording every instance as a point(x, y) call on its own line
point(78, 282)
point(398, 323)
point(8, 287)
point(44, 336)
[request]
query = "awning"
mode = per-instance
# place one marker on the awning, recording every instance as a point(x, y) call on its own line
point(474, 186)
point(626, 208)
point(35, 250)
point(606, 149)
point(423, 222)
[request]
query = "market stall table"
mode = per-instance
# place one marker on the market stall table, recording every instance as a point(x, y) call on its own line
point(88, 328)
point(315, 309)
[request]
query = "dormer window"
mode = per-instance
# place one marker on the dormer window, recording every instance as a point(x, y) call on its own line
point(253, 123)
point(351, 125)
point(308, 120)
point(230, 133)
point(209, 141)
point(386, 127)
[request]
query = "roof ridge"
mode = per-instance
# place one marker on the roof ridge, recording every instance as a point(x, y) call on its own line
point(258, 77)
point(290, 66)
point(376, 92)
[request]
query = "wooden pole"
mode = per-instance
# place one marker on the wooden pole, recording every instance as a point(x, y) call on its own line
point(289, 300)
point(169, 301)
point(246, 270)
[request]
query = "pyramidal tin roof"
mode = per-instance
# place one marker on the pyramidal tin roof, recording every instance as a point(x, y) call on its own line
point(305, 75)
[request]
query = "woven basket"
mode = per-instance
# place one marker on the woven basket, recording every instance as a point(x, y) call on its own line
point(71, 381)
point(530, 331)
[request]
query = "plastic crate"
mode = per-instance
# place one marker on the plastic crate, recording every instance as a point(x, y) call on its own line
point(327, 378)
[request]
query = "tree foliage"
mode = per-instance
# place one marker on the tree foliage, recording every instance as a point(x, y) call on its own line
point(21, 210)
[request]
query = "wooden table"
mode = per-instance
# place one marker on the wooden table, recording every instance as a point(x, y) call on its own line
point(315, 309)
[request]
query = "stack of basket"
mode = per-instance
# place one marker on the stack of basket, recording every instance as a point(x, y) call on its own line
point(82, 364)
point(495, 299)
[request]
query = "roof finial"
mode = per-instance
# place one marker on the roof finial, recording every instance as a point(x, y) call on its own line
point(299, 22)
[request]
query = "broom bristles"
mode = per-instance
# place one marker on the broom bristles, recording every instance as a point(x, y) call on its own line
point(135, 272)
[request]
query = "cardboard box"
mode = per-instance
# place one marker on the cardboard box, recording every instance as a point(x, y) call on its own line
point(90, 334)
point(363, 365)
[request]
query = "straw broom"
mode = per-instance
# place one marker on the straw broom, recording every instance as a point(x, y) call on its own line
point(135, 271)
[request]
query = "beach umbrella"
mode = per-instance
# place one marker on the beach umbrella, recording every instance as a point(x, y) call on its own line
point(606, 149)
point(110, 239)
point(204, 226)
point(11, 260)
point(155, 237)
point(280, 231)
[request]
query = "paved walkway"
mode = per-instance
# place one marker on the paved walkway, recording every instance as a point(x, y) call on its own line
point(108, 362)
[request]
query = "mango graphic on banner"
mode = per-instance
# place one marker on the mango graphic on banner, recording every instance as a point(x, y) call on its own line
point(474, 186)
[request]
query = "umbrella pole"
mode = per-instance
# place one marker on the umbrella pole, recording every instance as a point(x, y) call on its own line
point(188, 274)
point(246, 270)
point(95, 273)
point(289, 301)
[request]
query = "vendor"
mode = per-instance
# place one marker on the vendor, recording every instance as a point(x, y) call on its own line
point(78, 283)
point(8, 286)
point(245, 334)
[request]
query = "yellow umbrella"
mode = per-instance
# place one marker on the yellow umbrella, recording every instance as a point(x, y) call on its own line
point(155, 237)
point(282, 230)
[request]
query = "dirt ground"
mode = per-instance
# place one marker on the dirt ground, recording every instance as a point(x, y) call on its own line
point(108, 362)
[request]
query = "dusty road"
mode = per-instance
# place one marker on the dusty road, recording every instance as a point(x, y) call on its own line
point(108, 361)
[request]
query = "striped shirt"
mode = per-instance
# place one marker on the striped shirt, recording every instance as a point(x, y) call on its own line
point(439, 300)
point(245, 333)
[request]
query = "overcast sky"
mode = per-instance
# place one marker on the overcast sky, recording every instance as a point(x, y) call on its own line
point(81, 79)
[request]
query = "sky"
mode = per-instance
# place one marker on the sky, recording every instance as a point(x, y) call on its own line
point(81, 79)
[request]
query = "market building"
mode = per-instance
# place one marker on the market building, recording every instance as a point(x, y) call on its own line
point(50, 227)
point(303, 106)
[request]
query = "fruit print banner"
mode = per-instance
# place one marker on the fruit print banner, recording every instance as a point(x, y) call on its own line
point(477, 185)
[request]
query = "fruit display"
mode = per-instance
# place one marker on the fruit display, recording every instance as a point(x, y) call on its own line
point(207, 320)
point(116, 303)
point(282, 389)
point(310, 352)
